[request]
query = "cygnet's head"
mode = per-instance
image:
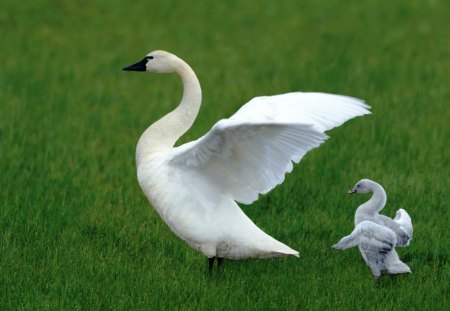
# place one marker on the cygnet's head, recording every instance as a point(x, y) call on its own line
point(362, 186)
point(156, 61)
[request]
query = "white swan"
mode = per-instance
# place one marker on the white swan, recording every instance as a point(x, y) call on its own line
point(194, 187)
point(370, 210)
point(377, 235)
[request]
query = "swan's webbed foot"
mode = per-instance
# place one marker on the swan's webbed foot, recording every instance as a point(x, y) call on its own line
point(219, 261)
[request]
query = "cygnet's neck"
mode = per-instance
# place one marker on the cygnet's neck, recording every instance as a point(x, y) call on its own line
point(372, 207)
point(163, 134)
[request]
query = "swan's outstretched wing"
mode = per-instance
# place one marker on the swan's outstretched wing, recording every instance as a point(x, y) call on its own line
point(370, 237)
point(323, 111)
point(250, 152)
point(242, 160)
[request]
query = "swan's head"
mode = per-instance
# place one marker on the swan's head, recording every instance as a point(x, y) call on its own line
point(156, 61)
point(362, 186)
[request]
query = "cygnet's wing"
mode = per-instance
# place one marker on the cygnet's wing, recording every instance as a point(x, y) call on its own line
point(404, 220)
point(374, 241)
point(250, 152)
point(370, 236)
point(401, 225)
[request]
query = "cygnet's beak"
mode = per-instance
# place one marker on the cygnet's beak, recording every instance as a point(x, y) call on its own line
point(139, 66)
point(351, 191)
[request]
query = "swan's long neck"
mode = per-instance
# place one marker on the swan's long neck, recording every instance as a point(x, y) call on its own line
point(163, 134)
point(374, 205)
point(378, 199)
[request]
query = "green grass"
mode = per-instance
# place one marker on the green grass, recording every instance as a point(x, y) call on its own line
point(77, 233)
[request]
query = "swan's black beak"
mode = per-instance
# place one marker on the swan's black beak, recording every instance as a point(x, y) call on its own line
point(351, 191)
point(139, 66)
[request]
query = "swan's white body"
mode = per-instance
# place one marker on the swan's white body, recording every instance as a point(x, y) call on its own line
point(377, 235)
point(194, 187)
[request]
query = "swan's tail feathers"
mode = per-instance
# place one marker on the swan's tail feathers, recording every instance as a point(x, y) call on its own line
point(257, 252)
point(264, 248)
point(394, 265)
point(281, 252)
point(398, 267)
point(277, 249)
point(290, 252)
point(404, 220)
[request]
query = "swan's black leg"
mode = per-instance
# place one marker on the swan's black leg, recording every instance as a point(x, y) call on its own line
point(211, 263)
point(219, 261)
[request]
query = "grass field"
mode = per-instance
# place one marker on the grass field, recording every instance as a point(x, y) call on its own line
point(76, 232)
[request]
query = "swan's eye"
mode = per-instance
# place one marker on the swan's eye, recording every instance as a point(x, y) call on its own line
point(150, 57)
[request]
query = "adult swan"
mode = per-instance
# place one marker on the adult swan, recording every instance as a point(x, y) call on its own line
point(195, 187)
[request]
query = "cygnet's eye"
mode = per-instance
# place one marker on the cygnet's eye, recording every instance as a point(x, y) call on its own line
point(357, 186)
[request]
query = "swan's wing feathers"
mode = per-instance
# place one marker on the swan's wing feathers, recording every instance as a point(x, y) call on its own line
point(401, 225)
point(370, 237)
point(346, 242)
point(375, 238)
point(323, 111)
point(376, 244)
point(244, 159)
point(250, 152)
point(404, 220)
point(197, 153)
